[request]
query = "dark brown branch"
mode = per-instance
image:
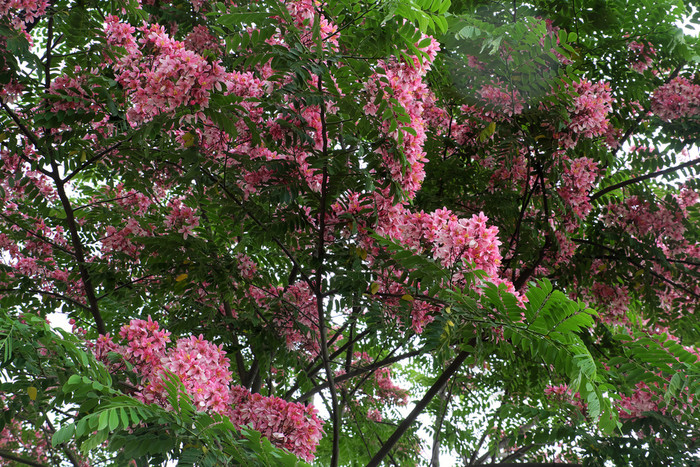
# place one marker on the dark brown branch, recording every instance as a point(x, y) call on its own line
point(435, 458)
point(418, 409)
point(49, 49)
point(520, 452)
point(37, 235)
point(127, 284)
point(312, 371)
point(620, 255)
point(95, 158)
point(320, 253)
point(641, 178)
point(21, 460)
point(504, 442)
point(50, 294)
point(259, 223)
point(32, 137)
point(516, 233)
point(103, 201)
point(64, 447)
point(240, 364)
point(528, 271)
point(78, 247)
point(472, 459)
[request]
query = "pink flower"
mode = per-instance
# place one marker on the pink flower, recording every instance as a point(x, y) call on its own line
point(677, 99)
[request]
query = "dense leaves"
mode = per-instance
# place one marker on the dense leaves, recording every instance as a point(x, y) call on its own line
point(290, 231)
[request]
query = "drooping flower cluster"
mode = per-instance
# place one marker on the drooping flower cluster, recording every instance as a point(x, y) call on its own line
point(450, 238)
point(404, 81)
point(642, 56)
point(679, 98)
point(379, 390)
point(639, 218)
point(295, 315)
point(642, 400)
point(614, 299)
point(577, 180)
point(289, 425)
point(16, 439)
point(181, 218)
point(589, 113)
point(203, 369)
point(501, 100)
point(563, 393)
point(158, 73)
point(22, 12)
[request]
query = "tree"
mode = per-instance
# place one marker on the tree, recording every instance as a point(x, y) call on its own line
point(275, 223)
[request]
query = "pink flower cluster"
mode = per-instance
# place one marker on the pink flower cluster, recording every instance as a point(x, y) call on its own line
point(162, 74)
point(120, 239)
point(295, 315)
point(638, 217)
point(679, 98)
point(378, 390)
point(577, 180)
point(29, 442)
point(642, 56)
point(22, 12)
point(642, 400)
point(459, 244)
point(203, 369)
point(502, 99)
point(404, 82)
point(589, 113)
point(289, 425)
point(614, 299)
point(451, 239)
point(200, 40)
point(246, 266)
point(181, 218)
point(563, 393)
point(305, 14)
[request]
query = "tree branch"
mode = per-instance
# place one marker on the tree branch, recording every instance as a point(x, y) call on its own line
point(32, 137)
point(78, 247)
point(435, 458)
point(528, 271)
point(95, 158)
point(37, 235)
point(320, 253)
point(418, 409)
point(50, 294)
point(641, 178)
point(313, 370)
point(371, 367)
point(21, 460)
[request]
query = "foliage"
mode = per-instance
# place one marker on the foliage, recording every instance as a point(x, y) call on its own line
point(291, 231)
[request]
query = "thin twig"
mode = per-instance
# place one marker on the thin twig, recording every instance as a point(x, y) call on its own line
point(371, 367)
point(641, 178)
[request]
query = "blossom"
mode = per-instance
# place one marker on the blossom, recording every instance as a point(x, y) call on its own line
point(204, 370)
point(181, 218)
point(289, 425)
point(589, 113)
point(679, 98)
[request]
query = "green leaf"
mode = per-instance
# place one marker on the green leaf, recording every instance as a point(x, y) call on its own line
point(103, 420)
point(113, 420)
point(63, 435)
